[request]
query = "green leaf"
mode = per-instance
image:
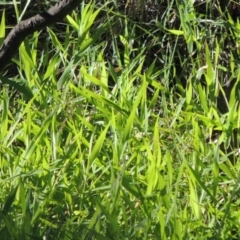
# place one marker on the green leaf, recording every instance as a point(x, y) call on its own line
point(110, 219)
point(189, 92)
point(91, 40)
point(33, 144)
point(176, 32)
point(5, 111)
point(55, 40)
point(130, 120)
point(97, 147)
point(2, 28)
point(26, 91)
point(73, 23)
point(209, 73)
point(65, 76)
point(127, 184)
point(9, 201)
point(203, 98)
point(94, 79)
point(51, 67)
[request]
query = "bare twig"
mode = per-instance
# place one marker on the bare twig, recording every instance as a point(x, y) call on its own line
point(29, 26)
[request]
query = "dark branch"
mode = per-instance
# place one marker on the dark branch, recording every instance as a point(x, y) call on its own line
point(29, 26)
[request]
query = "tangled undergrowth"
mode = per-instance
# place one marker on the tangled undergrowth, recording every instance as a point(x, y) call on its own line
point(105, 117)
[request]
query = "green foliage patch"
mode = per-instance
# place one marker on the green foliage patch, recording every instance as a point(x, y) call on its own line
point(103, 127)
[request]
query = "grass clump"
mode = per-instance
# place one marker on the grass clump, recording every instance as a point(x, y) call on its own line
point(103, 126)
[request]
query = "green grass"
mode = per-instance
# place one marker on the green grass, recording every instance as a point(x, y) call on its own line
point(100, 140)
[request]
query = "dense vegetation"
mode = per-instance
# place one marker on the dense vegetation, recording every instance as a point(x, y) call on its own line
point(104, 121)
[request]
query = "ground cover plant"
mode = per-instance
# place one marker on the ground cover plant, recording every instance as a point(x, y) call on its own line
point(107, 121)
